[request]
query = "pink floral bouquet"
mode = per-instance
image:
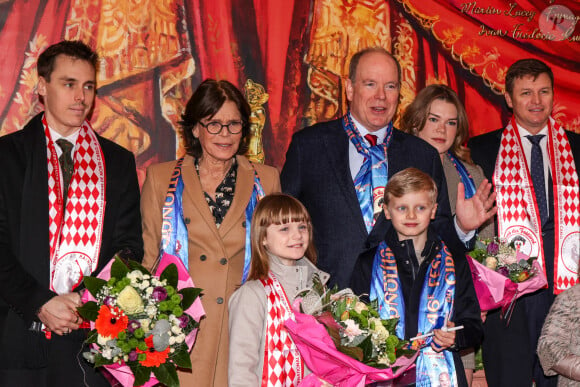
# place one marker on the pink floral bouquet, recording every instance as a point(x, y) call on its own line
point(143, 325)
point(344, 342)
point(501, 274)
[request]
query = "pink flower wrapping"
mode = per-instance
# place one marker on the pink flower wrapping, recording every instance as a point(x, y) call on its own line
point(327, 363)
point(494, 290)
point(121, 372)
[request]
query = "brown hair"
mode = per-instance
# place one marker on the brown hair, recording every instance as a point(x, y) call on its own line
point(357, 57)
point(71, 48)
point(275, 209)
point(206, 101)
point(415, 116)
point(410, 180)
point(524, 67)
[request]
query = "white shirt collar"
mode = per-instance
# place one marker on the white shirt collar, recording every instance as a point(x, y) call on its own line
point(364, 131)
point(524, 132)
point(71, 138)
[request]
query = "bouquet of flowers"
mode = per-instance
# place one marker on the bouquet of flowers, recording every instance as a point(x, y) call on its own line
point(143, 325)
point(345, 342)
point(501, 274)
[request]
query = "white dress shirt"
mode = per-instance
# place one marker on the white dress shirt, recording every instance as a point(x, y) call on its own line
point(527, 148)
point(356, 159)
point(72, 139)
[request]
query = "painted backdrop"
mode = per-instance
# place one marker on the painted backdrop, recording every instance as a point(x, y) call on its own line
point(290, 57)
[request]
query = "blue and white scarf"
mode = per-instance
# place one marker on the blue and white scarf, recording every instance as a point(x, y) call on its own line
point(257, 194)
point(174, 236)
point(436, 303)
point(464, 175)
point(372, 177)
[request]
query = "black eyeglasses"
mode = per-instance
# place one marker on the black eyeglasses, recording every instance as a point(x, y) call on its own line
point(215, 127)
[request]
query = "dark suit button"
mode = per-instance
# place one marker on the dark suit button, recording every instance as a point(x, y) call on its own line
point(187, 220)
point(220, 300)
point(244, 224)
point(223, 261)
point(202, 257)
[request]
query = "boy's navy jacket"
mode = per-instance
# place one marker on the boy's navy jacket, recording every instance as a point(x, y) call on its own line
point(412, 276)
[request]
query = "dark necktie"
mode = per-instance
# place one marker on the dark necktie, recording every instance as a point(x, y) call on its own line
point(66, 164)
point(371, 138)
point(537, 172)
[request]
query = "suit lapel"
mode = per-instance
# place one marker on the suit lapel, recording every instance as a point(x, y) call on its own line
point(243, 192)
point(336, 147)
point(193, 193)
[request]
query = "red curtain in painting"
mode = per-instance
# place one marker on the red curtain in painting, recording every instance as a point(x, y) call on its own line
point(472, 43)
point(259, 40)
point(467, 44)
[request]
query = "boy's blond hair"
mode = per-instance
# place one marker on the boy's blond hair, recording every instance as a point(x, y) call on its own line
point(407, 181)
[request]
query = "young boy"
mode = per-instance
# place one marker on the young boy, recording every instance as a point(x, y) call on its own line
point(415, 278)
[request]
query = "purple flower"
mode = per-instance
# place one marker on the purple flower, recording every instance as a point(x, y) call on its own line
point(108, 301)
point(492, 248)
point(133, 326)
point(159, 293)
point(504, 271)
point(183, 320)
point(133, 355)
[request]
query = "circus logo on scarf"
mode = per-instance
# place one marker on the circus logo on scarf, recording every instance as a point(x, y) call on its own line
point(523, 239)
point(571, 252)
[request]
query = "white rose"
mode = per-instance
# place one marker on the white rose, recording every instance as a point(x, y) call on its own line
point(151, 311)
point(102, 340)
point(107, 353)
point(176, 329)
point(144, 325)
point(171, 340)
point(135, 275)
point(130, 301)
point(180, 339)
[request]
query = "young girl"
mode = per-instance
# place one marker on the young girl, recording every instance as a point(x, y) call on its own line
point(283, 256)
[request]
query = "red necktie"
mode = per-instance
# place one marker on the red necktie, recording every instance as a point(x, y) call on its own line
point(371, 138)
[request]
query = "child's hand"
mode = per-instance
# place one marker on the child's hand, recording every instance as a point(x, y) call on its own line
point(443, 339)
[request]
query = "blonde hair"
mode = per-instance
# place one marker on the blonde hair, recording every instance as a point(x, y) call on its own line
point(407, 181)
point(275, 209)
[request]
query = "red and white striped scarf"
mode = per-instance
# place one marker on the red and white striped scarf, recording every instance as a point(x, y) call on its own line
point(517, 209)
point(75, 234)
point(283, 364)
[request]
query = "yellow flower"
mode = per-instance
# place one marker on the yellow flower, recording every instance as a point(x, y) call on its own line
point(130, 301)
point(491, 262)
point(360, 306)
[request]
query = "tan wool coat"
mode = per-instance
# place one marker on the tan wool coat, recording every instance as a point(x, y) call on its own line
point(216, 256)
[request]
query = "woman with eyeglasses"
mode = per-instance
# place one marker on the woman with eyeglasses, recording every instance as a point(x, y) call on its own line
point(212, 191)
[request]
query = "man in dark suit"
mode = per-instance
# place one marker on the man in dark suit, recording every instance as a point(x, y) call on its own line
point(65, 210)
point(533, 163)
point(339, 174)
